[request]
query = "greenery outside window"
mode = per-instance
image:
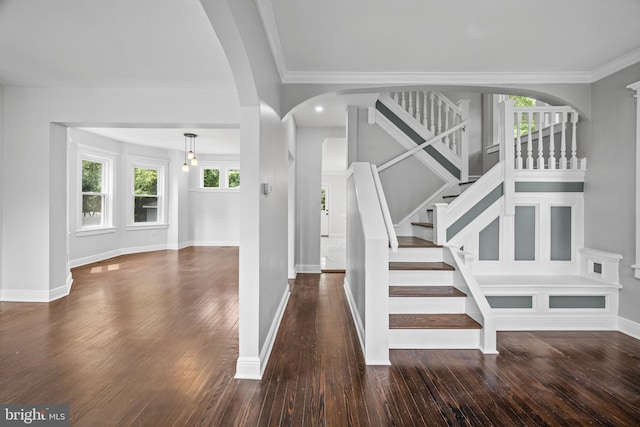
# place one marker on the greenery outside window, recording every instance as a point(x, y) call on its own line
point(95, 185)
point(219, 176)
point(147, 184)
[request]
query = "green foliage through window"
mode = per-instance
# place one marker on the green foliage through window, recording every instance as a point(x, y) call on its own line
point(212, 178)
point(91, 177)
point(145, 181)
point(523, 101)
point(234, 178)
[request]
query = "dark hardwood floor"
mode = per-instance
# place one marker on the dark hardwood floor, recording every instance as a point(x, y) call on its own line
point(151, 339)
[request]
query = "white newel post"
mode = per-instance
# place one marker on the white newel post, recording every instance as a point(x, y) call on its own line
point(464, 141)
point(636, 86)
point(508, 155)
point(440, 223)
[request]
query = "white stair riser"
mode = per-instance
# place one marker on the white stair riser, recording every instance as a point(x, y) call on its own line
point(413, 277)
point(427, 305)
point(416, 255)
point(434, 339)
point(423, 232)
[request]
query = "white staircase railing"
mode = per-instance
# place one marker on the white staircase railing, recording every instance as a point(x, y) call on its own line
point(547, 133)
point(437, 114)
point(386, 215)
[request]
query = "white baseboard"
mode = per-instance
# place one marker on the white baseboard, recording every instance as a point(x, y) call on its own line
point(248, 368)
point(215, 243)
point(629, 327)
point(139, 249)
point(292, 273)
point(549, 323)
point(308, 268)
point(252, 368)
point(30, 295)
point(355, 314)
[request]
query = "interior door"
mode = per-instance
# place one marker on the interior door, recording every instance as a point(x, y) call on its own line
point(324, 210)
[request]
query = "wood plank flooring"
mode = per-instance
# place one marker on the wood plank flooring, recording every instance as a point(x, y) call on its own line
point(152, 340)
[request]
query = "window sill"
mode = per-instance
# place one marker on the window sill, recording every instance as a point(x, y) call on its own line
point(95, 231)
point(152, 226)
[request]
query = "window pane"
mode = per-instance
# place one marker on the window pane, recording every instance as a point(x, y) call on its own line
point(146, 209)
point(234, 178)
point(92, 210)
point(145, 181)
point(91, 177)
point(211, 178)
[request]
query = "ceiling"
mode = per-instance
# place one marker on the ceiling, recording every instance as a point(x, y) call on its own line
point(171, 44)
point(208, 141)
point(333, 40)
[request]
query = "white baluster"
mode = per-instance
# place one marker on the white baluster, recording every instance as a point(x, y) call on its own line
point(439, 115)
point(433, 120)
point(518, 117)
point(418, 112)
point(541, 117)
point(447, 141)
point(574, 143)
point(404, 101)
point(396, 98)
point(529, 142)
point(552, 145)
point(410, 110)
point(424, 111)
point(454, 144)
point(563, 142)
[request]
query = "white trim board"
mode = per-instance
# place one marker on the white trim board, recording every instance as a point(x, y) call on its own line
point(308, 268)
point(629, 327)
point(252, 368)
point(354, 314)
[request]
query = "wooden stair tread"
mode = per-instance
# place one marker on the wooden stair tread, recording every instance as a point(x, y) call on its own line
point(415, 242)
point(404, 265)
point(432, 321)
point(423, 224)
point(425, 291)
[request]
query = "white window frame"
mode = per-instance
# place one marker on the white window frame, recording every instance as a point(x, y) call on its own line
point(161, 166)
point(223, 167)
point(108, 160)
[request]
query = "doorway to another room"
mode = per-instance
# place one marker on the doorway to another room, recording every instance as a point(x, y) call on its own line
point(333, 205)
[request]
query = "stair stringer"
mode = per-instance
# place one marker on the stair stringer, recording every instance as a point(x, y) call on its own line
point(446, 166)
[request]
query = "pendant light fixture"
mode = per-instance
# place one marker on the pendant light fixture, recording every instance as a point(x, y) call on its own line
point(189, 151)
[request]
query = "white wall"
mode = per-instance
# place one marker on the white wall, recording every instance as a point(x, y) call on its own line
point(214, 216)
point(30, 211)
point(308, 182)
point(1, 179)
point(608, 142)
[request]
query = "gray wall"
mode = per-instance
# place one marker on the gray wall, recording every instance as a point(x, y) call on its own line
point(308, 182)
point(272, 217)
point(406, 184)
point(2, 178)
point(608, 141)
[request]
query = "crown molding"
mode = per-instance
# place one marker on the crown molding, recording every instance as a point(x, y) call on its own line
point(265, 10)
point(616, 65)
point(440, 78)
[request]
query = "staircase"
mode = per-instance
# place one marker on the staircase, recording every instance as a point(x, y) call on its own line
point(425, 310)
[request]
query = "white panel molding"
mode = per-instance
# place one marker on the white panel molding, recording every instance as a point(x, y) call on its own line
point(24, 295)
point(354, 313)
point(629, 327)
